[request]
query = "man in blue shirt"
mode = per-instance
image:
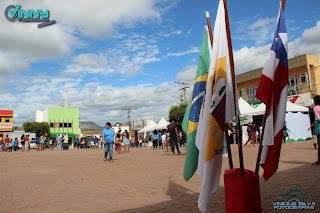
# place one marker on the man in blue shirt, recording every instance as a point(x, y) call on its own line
point(108, 140)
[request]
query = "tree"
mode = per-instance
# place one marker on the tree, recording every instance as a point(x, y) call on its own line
point(36, 127)
point(176, 113)
point(120, 124)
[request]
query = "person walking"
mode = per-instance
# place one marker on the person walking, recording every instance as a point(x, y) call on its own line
point(58, 139)
point(155, 138)
point(126, 141)
point(285, 133)
point(316, 143)
point(108, 141)
point(251, 130)
point(316, 129)
point(174, 136)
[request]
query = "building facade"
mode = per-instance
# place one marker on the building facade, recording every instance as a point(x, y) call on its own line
point(303, 81)
point(137, 125)
point(6, 122)
point(61, 121)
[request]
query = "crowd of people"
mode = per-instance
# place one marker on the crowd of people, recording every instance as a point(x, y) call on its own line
point(170, 137)
point(114, 142)
point(12, 144)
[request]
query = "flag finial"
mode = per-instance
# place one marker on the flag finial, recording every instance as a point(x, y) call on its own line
point(207, 14)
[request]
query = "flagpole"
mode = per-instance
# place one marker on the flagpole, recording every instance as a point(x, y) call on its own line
point(282, 4)
point(239, 136)
point(209, 28)
point(228, 146)
point(260, 147)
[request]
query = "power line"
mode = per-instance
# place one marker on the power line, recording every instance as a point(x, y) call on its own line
point(184, 88)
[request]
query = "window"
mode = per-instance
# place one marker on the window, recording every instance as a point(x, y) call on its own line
point(240, 92)
point(70, 125)
point(56, 125)
point(304, 78)
point(251, 91)
point(7, 120)
point(51, 125)
point(292, 85)
point(60, 125)
point(65, 125)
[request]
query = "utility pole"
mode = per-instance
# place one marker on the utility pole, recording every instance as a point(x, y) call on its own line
point(128, 111)
point(184, 88)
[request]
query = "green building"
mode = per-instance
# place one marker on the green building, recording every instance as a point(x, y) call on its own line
point(61, 121)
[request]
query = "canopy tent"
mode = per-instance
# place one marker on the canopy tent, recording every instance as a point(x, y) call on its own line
point(162, 124)
point(294, 123)
point(290, 108)
point(245, 108)
point(146, 128)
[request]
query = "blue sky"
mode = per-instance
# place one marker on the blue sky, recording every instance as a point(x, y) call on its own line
point(104, 56)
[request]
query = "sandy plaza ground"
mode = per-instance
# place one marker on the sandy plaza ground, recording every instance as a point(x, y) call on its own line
point(144, 180)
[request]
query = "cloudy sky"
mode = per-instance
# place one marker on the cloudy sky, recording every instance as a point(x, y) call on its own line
point(106, 55)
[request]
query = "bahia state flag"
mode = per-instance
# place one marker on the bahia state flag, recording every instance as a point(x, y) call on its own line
point(218, 109)
point(191, 117)
point(272, 91)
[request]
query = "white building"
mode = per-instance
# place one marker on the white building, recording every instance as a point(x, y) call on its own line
point(42, 116)
point(137, 125)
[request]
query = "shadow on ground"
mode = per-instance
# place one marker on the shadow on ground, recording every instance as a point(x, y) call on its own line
point(305, 177)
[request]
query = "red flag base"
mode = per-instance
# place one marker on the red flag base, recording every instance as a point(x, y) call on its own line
point(242, 194)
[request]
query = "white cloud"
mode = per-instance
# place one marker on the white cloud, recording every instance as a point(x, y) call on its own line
point(24, 43)
point(175, 32)
point(92, 98)
point(247, 59)
point(187, 74)
point(125, 57)
point(91, 60)
point(309, 42)
point(190, 51)
point(259, 32)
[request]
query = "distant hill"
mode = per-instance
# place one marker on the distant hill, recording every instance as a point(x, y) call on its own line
point(89, 126)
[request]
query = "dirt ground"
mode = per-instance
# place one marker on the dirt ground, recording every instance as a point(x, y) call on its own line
point(144, 180)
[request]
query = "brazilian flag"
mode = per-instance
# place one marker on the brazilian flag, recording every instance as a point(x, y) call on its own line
point(192, 114)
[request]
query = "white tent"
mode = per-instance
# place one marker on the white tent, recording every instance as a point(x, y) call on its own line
point(245, 108)
point(162, 124)
point(146, 128)
point(290, 108)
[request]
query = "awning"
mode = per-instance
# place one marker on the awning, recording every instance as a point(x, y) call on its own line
point(54, 135)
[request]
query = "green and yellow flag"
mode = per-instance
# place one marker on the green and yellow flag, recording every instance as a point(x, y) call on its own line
point(191, 117)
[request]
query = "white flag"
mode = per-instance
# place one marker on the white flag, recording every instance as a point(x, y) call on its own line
point(217, 110)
